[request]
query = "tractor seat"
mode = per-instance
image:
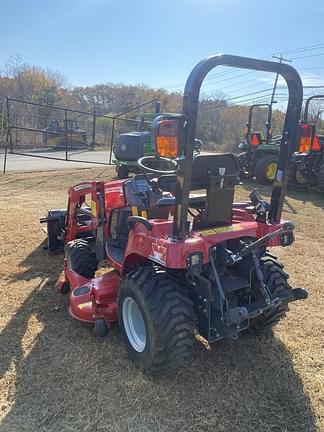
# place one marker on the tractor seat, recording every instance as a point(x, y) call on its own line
point(216, 174)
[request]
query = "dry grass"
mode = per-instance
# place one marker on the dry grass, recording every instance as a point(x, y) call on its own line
point(56, 376)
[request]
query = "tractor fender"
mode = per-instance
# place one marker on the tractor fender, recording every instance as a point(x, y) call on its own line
point(265, 152)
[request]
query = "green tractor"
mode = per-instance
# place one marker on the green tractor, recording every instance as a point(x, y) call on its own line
point(260, 156)
point(131, 146)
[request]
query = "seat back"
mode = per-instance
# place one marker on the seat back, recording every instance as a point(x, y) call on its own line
point(218, 174)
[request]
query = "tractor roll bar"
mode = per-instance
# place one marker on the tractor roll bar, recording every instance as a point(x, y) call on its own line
point(269, 118)
point(190, 110)
point(308, 101)
point(252, 107)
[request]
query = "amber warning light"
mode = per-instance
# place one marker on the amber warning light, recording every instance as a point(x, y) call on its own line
point(305, 138)
point(167, 138)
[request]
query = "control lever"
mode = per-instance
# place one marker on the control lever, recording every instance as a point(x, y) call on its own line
point(261, 206)
point(233, 258)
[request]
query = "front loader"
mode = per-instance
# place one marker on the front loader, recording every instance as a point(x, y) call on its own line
point(183, 261)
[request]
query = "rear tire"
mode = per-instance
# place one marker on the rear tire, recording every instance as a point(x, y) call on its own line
point(320, 179)
point(156, 319)
point(80, 258)
point(300, 175)
point(277, 281)
point(265, 169)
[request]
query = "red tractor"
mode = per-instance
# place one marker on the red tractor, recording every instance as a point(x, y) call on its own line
point(184, 261)
point(308, 161)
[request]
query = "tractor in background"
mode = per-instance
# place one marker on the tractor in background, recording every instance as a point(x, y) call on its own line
point(58, 134)
point(131, 146)
point(180, 259)
point(308, 160)
point(261, 151)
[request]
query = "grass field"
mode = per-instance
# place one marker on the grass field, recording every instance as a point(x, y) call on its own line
point(57, 376)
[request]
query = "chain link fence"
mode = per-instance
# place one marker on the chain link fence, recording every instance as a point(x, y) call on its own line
point(51, 132)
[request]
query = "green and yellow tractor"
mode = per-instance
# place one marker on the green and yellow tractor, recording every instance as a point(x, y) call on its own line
point(261, 150)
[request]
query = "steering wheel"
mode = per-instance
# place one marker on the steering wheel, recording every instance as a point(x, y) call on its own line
point(164, 160)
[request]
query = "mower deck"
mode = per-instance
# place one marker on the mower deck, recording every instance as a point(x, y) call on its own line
point(95, 298)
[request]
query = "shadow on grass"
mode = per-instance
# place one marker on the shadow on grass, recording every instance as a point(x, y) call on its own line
point(69, 380)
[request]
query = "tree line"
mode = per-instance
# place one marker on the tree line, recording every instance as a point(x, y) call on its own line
point(220, 124)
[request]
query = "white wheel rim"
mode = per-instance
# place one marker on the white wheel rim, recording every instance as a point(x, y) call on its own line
point(134, 324)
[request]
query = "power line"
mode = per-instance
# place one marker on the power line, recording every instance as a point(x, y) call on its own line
point(258, 98)
point(253, 79)
point(307, 56)
point(229, 70)
point(307, 48)
point(233, 70)
point(278, 95)
point(245, 95)
point(239, 84)
point(311, 68)
point(250, 94)
point(281, 97)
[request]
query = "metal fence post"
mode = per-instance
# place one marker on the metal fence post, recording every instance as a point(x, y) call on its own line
point(94, 120)
point(2, 126)
point(9, 133)
point(6, 151)
point(66, 135)
point(112, 140)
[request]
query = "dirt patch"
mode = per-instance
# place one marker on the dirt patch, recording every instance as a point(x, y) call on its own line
point(56, 376)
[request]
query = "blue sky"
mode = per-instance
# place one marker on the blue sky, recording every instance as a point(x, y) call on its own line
point(158, 42)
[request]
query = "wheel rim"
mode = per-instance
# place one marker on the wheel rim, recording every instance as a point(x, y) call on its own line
point(134, 324)
point(271, 170)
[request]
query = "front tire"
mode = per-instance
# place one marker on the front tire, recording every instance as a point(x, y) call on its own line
point(156, 319)
point(265, 169)
point(80, 258)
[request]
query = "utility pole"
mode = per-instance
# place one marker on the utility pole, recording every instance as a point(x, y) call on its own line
point(281, 59)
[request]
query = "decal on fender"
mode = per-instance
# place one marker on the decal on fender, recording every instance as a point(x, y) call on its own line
point(158, 253)
point(219, 230)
